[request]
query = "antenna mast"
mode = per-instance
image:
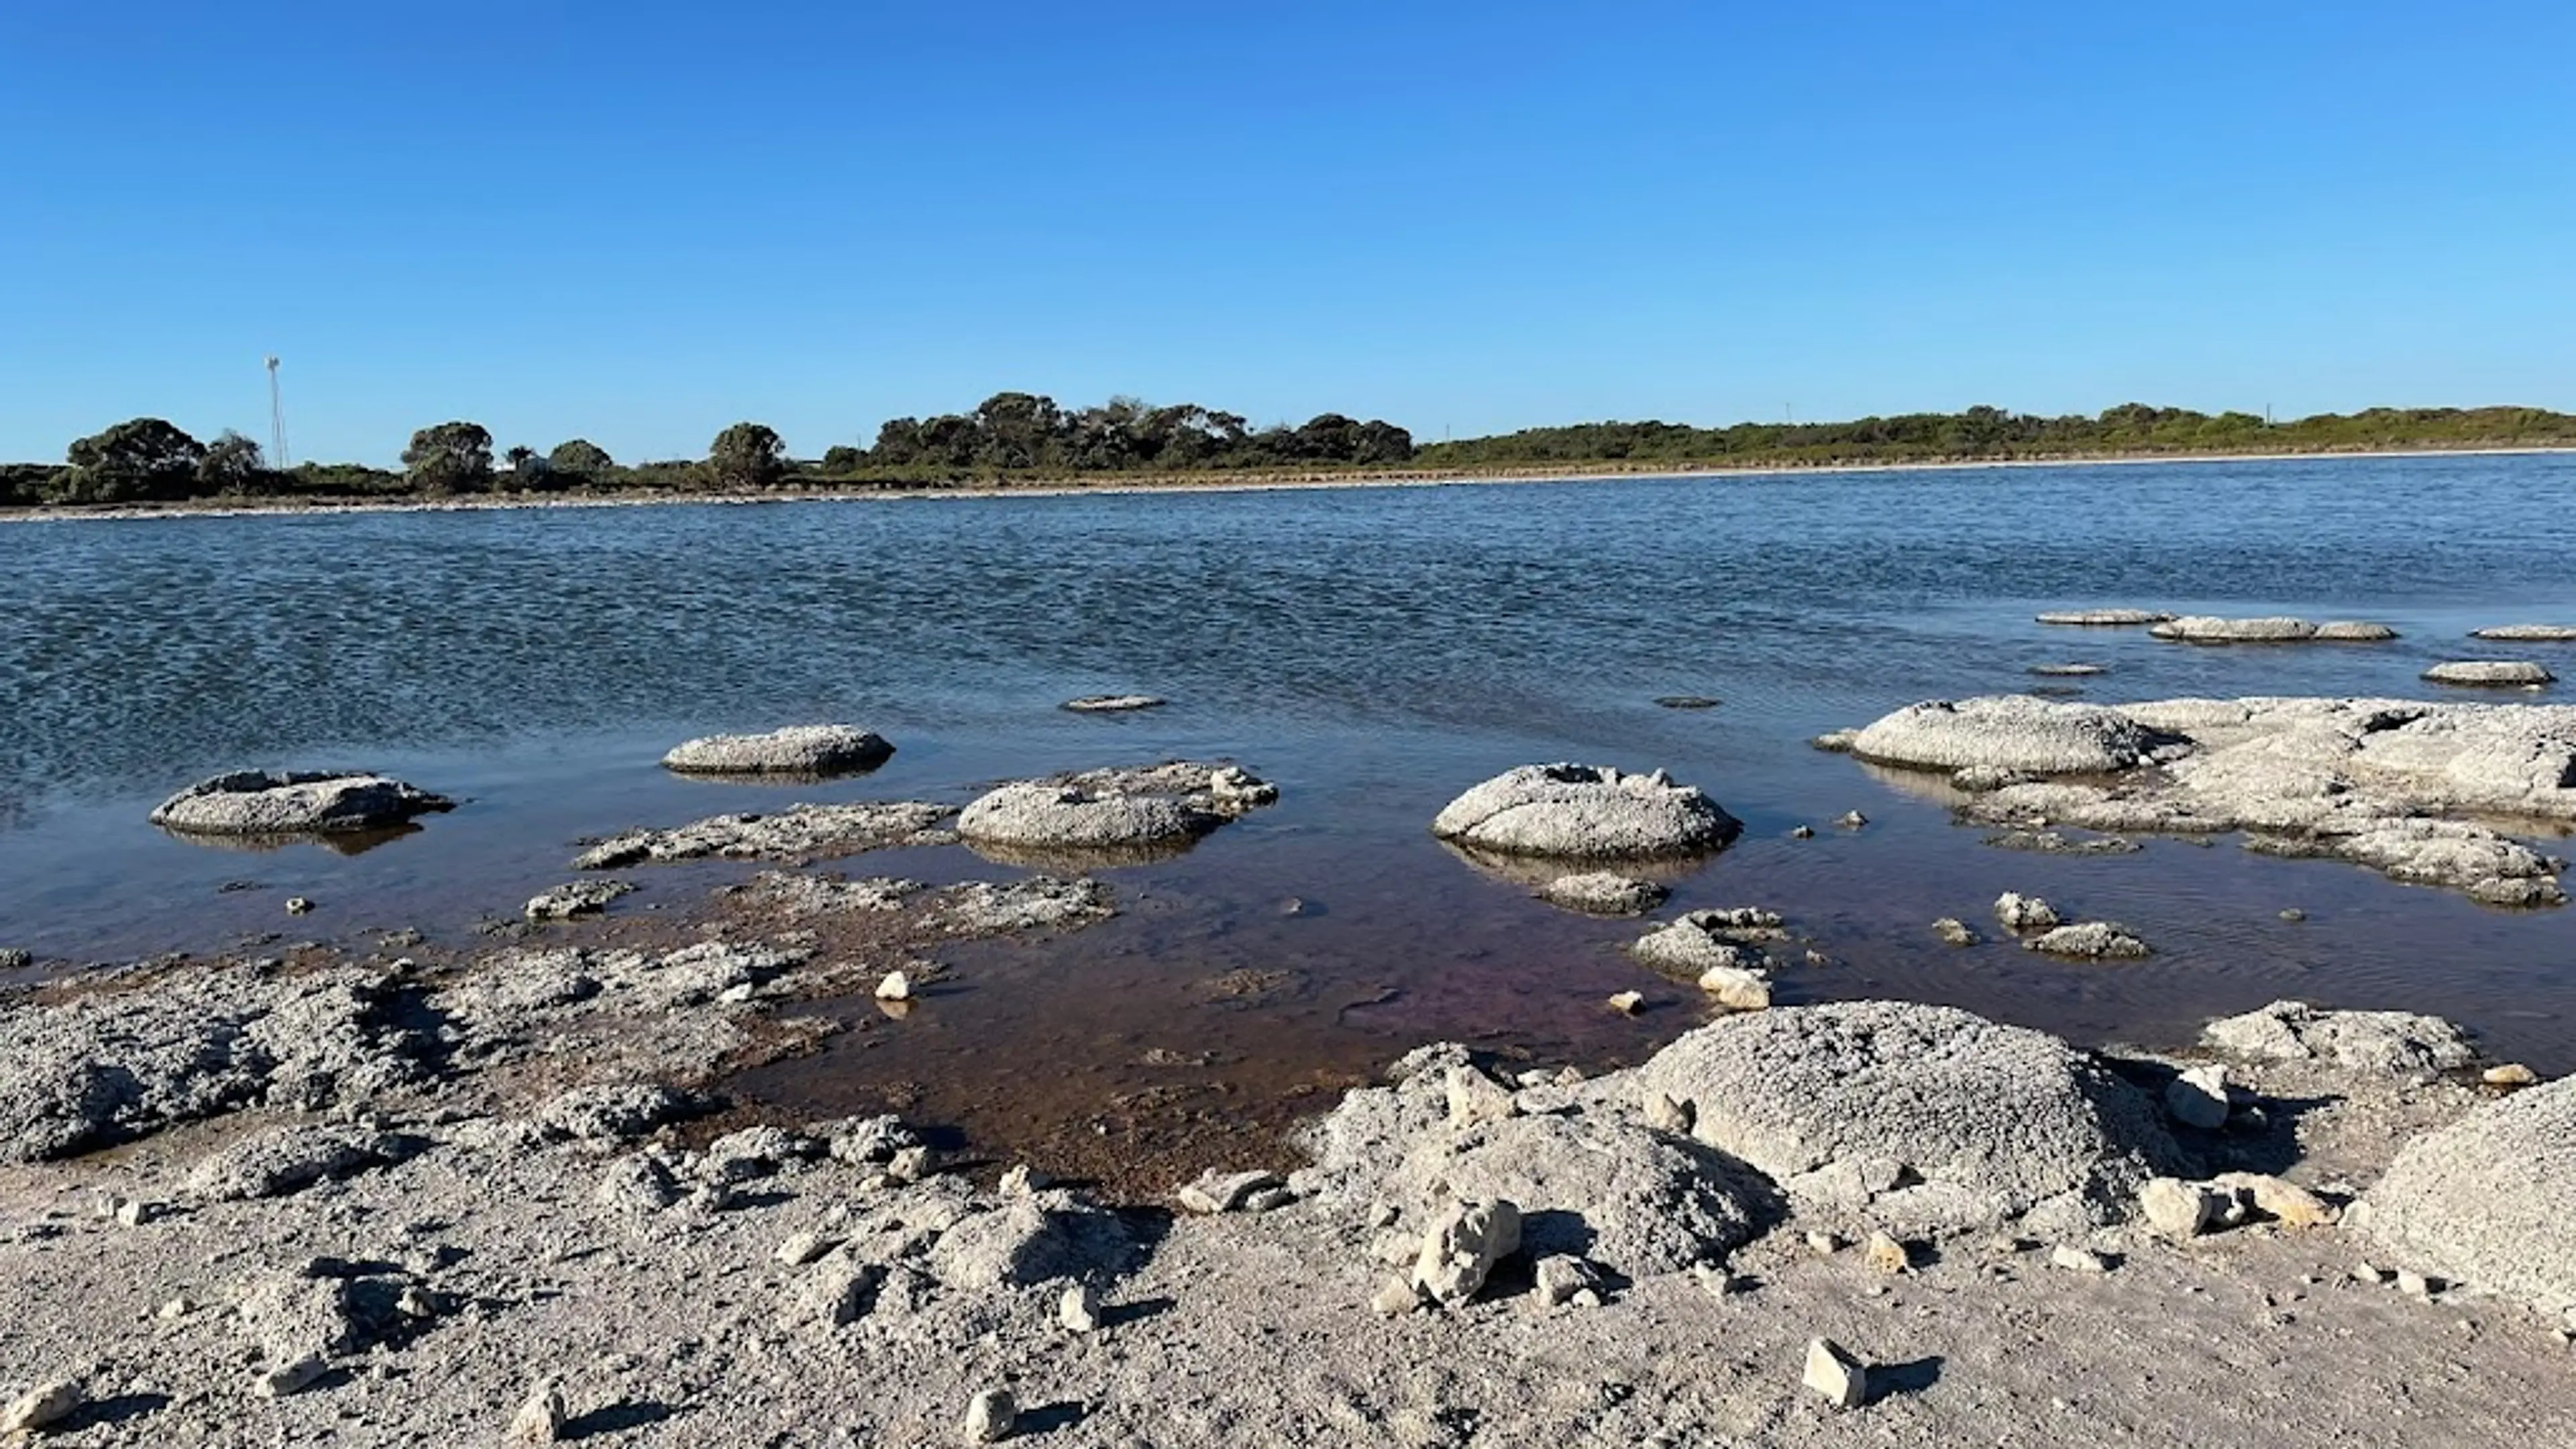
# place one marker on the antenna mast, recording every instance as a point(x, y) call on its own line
point(276, 419)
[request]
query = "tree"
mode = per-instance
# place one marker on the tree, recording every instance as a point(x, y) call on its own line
point(841, 460)
point(231, 464)
point(580, 461)
point(746, 455)
point(138, 459)
point(449, 458)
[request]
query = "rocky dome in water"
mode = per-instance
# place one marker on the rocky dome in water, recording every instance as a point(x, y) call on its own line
point(294, 802)
point(1585, 812)
point(1115, 808)
point(2007, 732)
point(819, 749)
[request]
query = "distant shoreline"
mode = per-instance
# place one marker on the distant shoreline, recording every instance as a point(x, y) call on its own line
point(1249, 482)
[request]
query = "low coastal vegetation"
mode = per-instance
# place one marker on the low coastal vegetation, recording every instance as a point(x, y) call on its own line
point(1023, 439)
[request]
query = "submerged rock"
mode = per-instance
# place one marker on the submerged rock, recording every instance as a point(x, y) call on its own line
point(1973, 1123)
point(294, 802)
point(576, 898)
point(2490, 672)
point(1585, 811)
point(795, 833)
point(822, 749)
point(1604, 893)
point(2103, 618)
point(2488, 1200)
point(2007, 732)
point(2066, 671)
point(1112, 703)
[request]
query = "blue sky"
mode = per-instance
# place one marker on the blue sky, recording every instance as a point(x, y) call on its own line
point(639, 222)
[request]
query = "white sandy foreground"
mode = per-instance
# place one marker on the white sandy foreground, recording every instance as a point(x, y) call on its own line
point(474, 1271)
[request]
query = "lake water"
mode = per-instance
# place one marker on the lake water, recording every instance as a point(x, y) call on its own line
point(1372, 650)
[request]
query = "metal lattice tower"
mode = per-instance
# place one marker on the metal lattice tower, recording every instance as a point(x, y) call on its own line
point(276, 418)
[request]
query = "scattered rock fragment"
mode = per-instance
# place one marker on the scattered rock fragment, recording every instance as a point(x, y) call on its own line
point(41, 1407)
point(1852, 820)
point(2286, 1203)
point(576, 898)
point(822, 749)
point(1224, 1192)
point(1460, 1247)
point(2178, 1209)
point(2510, 1074)
point(1562, 1278)
point(540, 1419)
point(1834, 1375)
point(1664, 1114)
point(1627, 1003)
point(1885, 1253)
point(1474, 1098)
point(2078, 1260)
point(799, 832)
point(1079, 1309)
point(2025, 913)
point(2198, 1097)
point(1394, 1297)
point(991, 1416)
point(299, 906)
point(1954, 931)
point(1736, 988)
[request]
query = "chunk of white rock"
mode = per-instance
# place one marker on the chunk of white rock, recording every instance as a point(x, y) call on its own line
point(796, 750)
point(1224, 1192)
point(2198, 1097)
point(540, 1419)
point(44, 1405)
point(1561, 1277)
point(1736, 988)
point(991, 1416)
point(1604, 893)
point(1834, 1375)
point(1460, 1247)
point(2024, 913)
point(895, 987)
point(1079, 1309)
point(2091, 941)
point(2179, 1209)
point(1585, 811)
point(2078, 1260)
point(1627, 1003)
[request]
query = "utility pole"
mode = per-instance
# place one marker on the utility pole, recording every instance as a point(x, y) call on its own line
point(276, 418)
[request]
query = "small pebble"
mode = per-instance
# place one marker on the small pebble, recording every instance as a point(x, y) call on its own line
point(1852, 820)
point(297, 905)
point(895, 987)
point(1628, 1003)
point(2078, 1260)
point(2511, 1074)
point(991, 1416)
point(1803, 832)
point(1079, 1309)
point(2294, 914)
point(1824, 1243)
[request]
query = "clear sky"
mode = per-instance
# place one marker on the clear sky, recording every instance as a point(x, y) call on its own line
point(641, 221)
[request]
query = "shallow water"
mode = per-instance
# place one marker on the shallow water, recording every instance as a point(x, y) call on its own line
point(1373, 650)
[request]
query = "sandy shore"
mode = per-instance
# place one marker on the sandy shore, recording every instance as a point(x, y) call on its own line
point(1206, 483)
point(391, 1194)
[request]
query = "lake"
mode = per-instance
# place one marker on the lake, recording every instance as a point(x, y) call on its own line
point(1372, 650)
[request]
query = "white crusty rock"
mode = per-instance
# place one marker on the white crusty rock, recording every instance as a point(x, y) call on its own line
point(2007, 732)
point(991, 1416)
point(2179, 1209)
point(282, 1159)
point(2379, 1043)
point(820, 749)
point(1703, 941)
point(2103, 618)
point(1460, 1247)
point(2489, 672)
point(1984, 1123)
point(2491, 1199)
point(1834, 1375)
point(2025, 913)
point(2091, 941)
point(1225, 1192)
point(1050, 814)
point(41, 1407)
point(2198, 1097)
point(1585, 812)
point(2528, 633)
point(1112, 703)
point(1561, 1278)
point(294, 802)
point(2204, 629)
point(1604, 893)
point(795, 833)
point(576, 898)
point(540, 1419)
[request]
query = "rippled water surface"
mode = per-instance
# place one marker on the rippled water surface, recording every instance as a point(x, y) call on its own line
point(1373, 650)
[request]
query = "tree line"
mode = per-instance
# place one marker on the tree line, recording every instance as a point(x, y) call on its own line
point(1012, 436)
point(1024, 437)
